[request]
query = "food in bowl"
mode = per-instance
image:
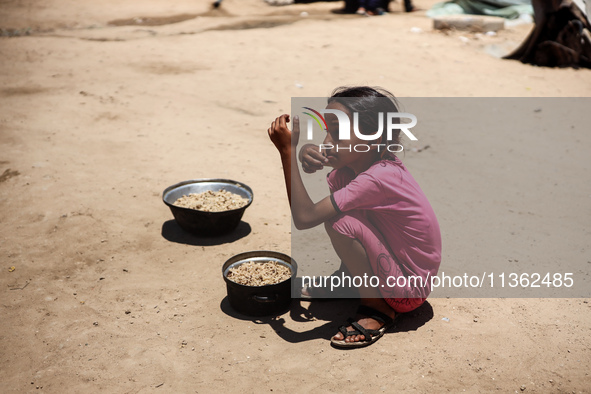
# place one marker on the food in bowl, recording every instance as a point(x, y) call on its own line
point(212, 201)
point(263, 300)
point(253, 273)
point(202, 223)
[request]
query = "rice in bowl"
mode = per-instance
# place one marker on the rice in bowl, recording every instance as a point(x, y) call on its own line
point(212, 201)
point(253, 273)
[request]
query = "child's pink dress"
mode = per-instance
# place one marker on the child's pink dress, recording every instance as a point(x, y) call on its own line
point(387, 212)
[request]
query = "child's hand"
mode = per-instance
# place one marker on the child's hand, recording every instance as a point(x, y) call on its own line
point(280, 134)
point(311, 158)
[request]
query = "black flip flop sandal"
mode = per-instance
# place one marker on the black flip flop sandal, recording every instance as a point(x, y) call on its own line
point(371, 336)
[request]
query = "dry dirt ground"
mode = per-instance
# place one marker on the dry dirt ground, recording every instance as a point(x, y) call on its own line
point(104, 104)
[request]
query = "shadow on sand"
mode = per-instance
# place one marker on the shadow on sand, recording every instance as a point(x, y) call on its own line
point(335, 312)
point(172, 232)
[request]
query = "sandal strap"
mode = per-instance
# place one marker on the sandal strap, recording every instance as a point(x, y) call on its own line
point(368, 334)
point(372, 313)
point(343, 330)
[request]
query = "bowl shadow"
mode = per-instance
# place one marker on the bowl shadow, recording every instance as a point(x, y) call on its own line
point(172, 232)
point(333, 311)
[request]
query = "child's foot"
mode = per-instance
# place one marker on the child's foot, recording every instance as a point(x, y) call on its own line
point(370, 324)
point(361, 11)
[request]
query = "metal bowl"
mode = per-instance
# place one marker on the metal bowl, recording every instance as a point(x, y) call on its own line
point(206, 223)
point(259, 300)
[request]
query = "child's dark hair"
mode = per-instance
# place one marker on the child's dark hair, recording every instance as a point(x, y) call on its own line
point(368, 102)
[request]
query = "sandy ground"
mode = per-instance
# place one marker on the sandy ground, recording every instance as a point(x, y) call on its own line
point(103, 105)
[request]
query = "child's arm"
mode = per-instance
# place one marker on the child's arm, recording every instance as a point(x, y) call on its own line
point(305, 213)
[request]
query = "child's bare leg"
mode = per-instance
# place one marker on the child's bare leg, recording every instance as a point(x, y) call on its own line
point(353, 255)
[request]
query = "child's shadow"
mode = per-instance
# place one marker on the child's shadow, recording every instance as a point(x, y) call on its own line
point(334, 312)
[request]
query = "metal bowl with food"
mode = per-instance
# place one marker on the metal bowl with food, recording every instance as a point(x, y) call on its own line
point(259, 300)
point(201, 220)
